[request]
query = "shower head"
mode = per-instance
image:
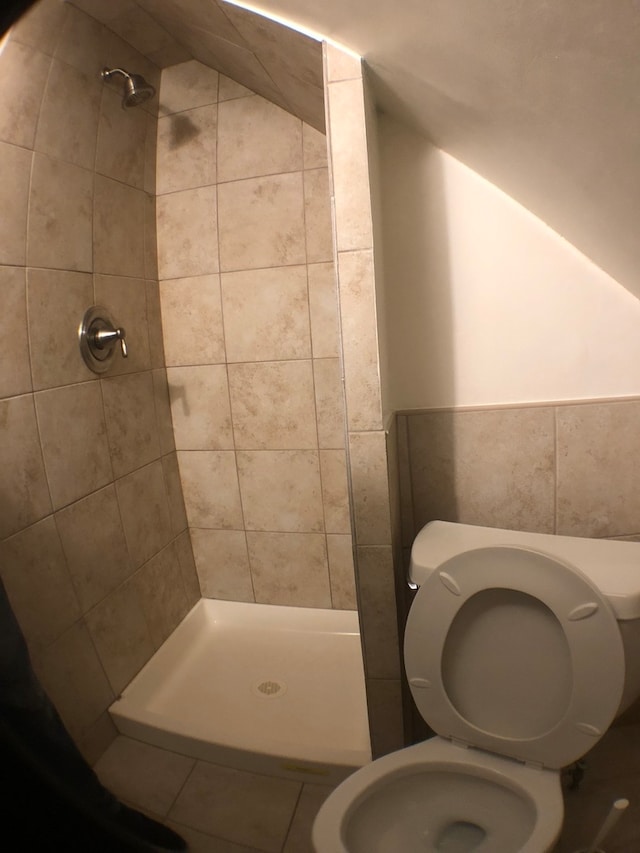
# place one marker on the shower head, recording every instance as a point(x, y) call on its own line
point(136, 88)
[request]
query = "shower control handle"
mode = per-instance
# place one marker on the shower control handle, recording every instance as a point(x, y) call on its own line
point(107, 337)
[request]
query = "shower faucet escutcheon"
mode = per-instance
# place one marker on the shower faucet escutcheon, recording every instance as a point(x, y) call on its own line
point(98, 336)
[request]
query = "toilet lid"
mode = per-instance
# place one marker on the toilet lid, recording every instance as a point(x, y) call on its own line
point(515, 652)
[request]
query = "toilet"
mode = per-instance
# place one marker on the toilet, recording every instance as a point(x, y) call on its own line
point(520, 650)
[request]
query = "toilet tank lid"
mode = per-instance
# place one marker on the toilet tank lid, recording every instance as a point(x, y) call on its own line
point(613, 566)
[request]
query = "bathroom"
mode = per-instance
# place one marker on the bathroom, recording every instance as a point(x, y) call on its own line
point(531, 440)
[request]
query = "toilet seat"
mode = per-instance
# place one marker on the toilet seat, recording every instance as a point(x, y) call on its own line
point(527, 664)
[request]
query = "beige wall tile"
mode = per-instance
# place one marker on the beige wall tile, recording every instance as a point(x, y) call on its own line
point(173, 485)
point(40, 26)
point(125, 299)
point(57, 301)
point(24, 497)
point(370, 488)
point(335, 491)
point(192, 320)
point(597, 464)
point(314, 147)
point(404, 482)
point(93, 540)
point(340, 64)
point(311, 799)
point(15, 171)
point(329, 402)
point(255, 137)
point(200, 407)
point(144, 510)
point(120, 634)
point(130, 416)
point(23, 75)
point(96, 738)
point(266, 314)
point(118, 228)
point(290, 569)
point(210, 487)
point(317, 216)
point(281, 490)
point(360, 340)
point(73, 677)
point(154, 323)
point(188, 568)
point(323, 306)
point(80, 37)
point(378, 617)
point(144, 775)
point(15, 374)
point(341, 571)
point(217, 800)
point(60, 216)
point(186, 222)
point(261, 222)
point(303, 99)
point(74, 441)
point(187, 85)
point(273, 406)
point(122, 136)
point(163, 410)
point(486, 467)
point(350, 166)
point(150, 237)
point(161, 590)
point(222, 562)
point(229, 89)
point(151, 156)
point(384, 701)
point(186, 155)
point(68, 122)
point(34, 572)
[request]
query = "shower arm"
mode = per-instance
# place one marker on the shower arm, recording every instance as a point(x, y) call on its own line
point(108, 72)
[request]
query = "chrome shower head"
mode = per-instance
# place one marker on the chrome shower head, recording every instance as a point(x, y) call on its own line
point(136, 88)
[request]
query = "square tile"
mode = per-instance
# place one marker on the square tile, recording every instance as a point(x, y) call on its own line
point(323, 308)
point(144, 509)
point(341, 64)
point(120, 634)
point(200, 407)
point(314, 147)
point(187, 85)
point(74, 441)
point(177, 509)
point(255, 137)
point(290, 569)
point(317, 215)
point(335, 491)
point(188, 568)
point(273, 405)
point(222, 562)
point(60, 216)
point(210, 486)
point(15, 171)
point(370, 488)
point(219, 800)
point(122, 134)
point(378, 612)
point(299, 836)
point(261, 222)
point(266, 314)
point(130, 414)
point(154, 324)
point(192, 321)
point(281, 490)
point(35, 574)
point(23, 76)
point(23, 473)
point(15, 373)
point(57, 301)
point(93, 540)
point(125, 299)
point(142, 774)
point(187, 228)
point(118, 232)
point(330, 407)
point(186, 155)
point(229, 89)
point(161, 590)
point(341, 571)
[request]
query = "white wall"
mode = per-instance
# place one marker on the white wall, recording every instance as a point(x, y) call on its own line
point(485, 304)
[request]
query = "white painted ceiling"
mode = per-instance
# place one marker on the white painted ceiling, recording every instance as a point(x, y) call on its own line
point(541, 97)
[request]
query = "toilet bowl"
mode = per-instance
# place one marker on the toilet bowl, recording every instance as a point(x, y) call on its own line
point(515, 658)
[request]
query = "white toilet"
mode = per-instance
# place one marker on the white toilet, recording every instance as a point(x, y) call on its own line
point(520, 649)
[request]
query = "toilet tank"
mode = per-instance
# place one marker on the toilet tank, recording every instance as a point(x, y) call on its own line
point(612, 566)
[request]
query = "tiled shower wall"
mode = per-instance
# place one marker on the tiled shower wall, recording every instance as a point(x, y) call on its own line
point(249, 313)
point(94, 551)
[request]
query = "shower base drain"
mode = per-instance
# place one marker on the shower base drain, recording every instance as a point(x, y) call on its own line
point(270, 688)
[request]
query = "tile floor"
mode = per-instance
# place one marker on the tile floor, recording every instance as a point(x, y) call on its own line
point(221, 810)
point(216, 809)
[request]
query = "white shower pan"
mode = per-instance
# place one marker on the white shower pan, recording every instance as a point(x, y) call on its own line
point(265, 688)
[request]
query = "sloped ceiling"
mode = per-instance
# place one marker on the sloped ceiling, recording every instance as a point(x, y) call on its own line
point(541, 97)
